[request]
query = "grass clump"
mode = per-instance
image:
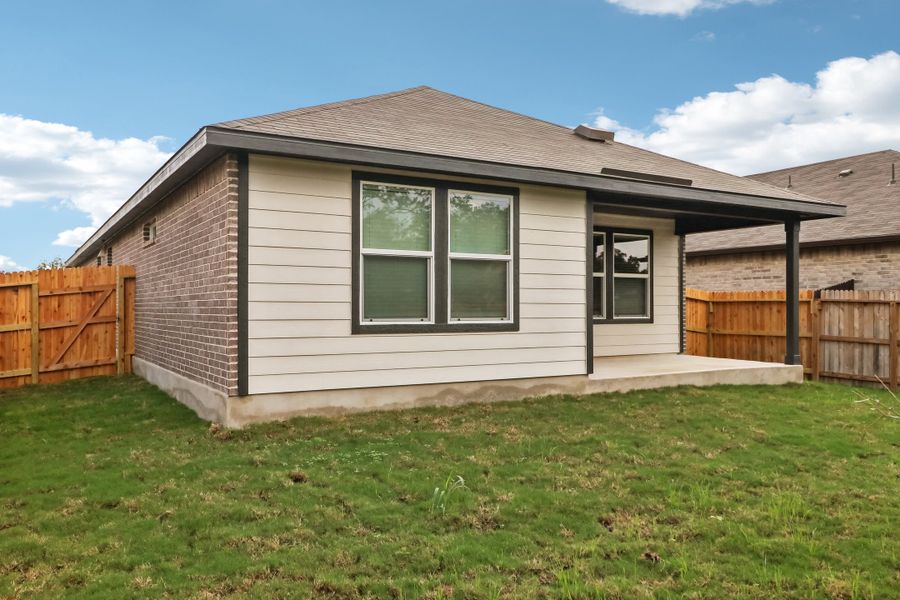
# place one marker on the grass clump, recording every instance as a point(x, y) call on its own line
point(110, 489)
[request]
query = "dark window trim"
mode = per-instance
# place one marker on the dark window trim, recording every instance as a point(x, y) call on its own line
point(682, 334)
point(243, 296)
point(609, 275)
point(589, 286)
point(441, 257)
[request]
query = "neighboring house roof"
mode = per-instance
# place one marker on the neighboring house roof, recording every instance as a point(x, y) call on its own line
point(425, 129)
point(862, 183)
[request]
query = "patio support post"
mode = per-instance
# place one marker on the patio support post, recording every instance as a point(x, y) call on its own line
point(792, 293)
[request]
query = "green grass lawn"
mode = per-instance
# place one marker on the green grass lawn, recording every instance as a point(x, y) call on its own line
point(110, 489)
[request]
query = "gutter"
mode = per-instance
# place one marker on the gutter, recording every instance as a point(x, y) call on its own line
point(211, 141)
point(858, 241)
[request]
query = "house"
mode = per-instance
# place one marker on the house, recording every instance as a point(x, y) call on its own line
point(417, 247)
point(864, 246)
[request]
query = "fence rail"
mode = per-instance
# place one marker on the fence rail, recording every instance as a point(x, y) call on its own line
point(65, 323)
point(844, 335)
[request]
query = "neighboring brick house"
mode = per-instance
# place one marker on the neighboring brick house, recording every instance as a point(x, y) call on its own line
point(416, 248)
point(863, 246)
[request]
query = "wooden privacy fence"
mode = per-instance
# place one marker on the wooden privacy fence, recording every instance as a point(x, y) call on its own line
point(844, 335)
point(65, 324)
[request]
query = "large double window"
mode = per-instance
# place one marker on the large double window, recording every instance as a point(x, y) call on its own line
point(623, 275)
point(433, 256)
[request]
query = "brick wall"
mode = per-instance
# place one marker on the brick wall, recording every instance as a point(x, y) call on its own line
point(186, 294)
point(873, 266)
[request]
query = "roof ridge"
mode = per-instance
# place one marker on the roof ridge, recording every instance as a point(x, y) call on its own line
point(321, 107)
point(822, 162)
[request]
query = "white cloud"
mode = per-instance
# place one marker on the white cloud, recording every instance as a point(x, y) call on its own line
point(42, 161)
point(704, 36)
point(772, 123)
point(74, 237)
point(680, 8)
point(8, 264)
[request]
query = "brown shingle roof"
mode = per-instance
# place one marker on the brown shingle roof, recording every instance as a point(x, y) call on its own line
point(873, 206)
point(427, 121)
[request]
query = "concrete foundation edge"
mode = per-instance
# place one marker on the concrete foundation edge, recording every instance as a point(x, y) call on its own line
point(272, 407)
point(209, 404)
point(213, 405)
point(775, 375)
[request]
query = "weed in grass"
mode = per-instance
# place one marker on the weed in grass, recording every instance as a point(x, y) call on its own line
point(787, 510)
point(441, 495)
point(888, 408)
point(571, 586)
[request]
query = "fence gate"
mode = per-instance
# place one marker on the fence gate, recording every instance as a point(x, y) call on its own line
point(65, 324)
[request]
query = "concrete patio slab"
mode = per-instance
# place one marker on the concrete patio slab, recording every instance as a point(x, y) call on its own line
point(647, 371)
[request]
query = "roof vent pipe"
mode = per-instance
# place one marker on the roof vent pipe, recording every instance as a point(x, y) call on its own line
point(893, 174)
point(595, 135)
point(789, 185)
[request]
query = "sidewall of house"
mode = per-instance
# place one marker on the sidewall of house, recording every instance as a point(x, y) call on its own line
point(872, 266)
point(186, 284)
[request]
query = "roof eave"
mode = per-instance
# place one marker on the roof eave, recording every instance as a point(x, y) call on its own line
point(195, 153)
point(827, 243)
point(211, 141)
point(365, 155)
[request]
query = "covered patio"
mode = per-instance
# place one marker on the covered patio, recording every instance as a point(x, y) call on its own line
point(688, 210)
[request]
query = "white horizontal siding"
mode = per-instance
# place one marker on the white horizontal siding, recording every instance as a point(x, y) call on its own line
point(291, 274)
point(265, 384)
point(363, 344)
point(296, 257)
point(661, 336)
point(301, 203)
point(292, 221)
point(550, 267)
point(300, 293)
point(310, 240)
point(375, 361)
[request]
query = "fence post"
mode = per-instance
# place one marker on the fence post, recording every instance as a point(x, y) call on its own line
point(35, 332)
point(815, 308)
point(709, 327)
point(892, 349)
point(120, 322)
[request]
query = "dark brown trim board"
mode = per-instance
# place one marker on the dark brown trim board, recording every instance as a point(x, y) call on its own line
point(243, 227)
point(441, 259)
point(792, 293)
point(589, 284)
point(682, 334)
point(610, 274)
point(210, 142)
point(364, 155)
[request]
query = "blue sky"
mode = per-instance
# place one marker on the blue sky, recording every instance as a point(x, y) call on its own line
point(112, 71)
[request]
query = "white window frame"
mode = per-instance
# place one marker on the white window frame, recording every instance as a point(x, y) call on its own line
point(507, 258)
point(600, 274)
point(647, 288)
point(429, 255)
